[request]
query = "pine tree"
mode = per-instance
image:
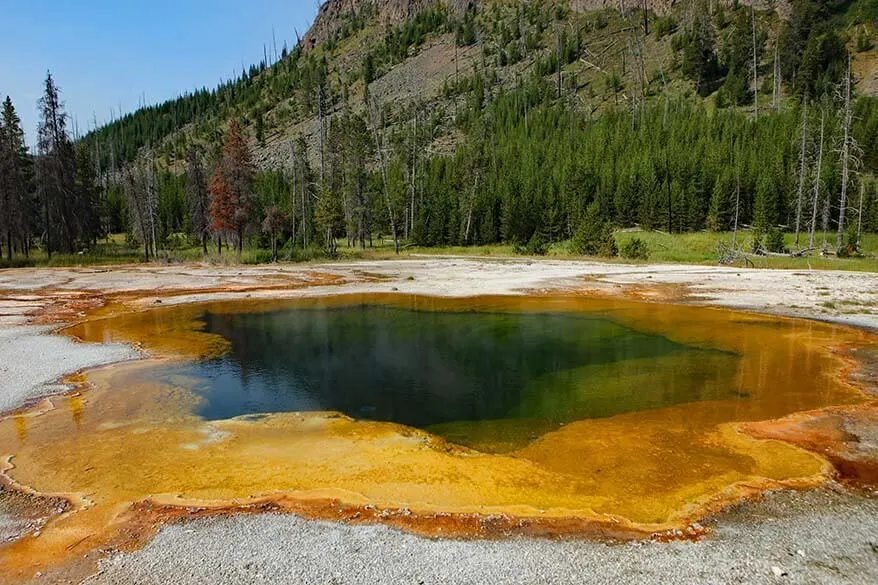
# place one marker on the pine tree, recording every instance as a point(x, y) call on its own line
point(699, 56)
point(15, 217)
point(141, 207)
point(356, 194)
point(56, 170)
point(595, 235)
point(849, 159)
point(231, 187)
point(7, 208)
point(767, 204)
point(737, 60)
point(87, 196)
point(329, 217)
point(721, 210)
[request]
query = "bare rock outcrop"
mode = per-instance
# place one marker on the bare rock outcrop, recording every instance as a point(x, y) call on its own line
point(330, 17)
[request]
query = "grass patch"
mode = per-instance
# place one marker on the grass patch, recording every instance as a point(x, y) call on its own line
point(691, 248)
point(700, 248)
point(662, 248)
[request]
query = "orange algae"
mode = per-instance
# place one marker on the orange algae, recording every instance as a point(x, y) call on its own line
point(117, 453)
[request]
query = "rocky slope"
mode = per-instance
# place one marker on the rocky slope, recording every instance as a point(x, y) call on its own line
point(331, 15)
point(277, 103)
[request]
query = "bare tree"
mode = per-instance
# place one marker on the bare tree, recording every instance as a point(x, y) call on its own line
point(737, 208)
point(849, 156)
point(775, 96)
point(199, 201)
point(755, 66)
point(271, 225)
point(294, 189)
point(802, 166)
point(559, 56)
point(414, 149)
point(379, 152)
point(815, 196)
point(321, 115)
point(302, 192)
point(152, 195)
point(140, 207)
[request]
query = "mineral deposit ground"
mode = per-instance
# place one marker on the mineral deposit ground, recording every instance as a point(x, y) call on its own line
point(110, 473)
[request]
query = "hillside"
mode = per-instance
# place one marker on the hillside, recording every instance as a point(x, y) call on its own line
point(535, 124)
point(415, 57)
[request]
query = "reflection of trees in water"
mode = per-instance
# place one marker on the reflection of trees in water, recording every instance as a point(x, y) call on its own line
point(424, 368)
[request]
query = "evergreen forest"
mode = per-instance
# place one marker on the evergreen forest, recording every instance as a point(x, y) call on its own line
point(550, 128)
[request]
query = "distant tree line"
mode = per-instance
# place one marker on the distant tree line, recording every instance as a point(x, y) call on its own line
point(52, 196)
point(527, 166)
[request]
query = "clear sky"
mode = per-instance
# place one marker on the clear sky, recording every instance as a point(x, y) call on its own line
point(106, 55)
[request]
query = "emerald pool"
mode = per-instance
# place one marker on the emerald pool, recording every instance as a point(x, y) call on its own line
point(446, 371)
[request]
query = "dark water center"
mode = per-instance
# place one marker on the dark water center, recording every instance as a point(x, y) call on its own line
point(440, 370)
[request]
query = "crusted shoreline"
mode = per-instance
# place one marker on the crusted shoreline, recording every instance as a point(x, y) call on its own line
point(47, 297)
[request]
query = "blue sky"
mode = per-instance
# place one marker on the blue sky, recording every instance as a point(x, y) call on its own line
point(106, 55)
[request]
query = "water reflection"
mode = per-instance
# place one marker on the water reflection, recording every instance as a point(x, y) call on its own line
point(21, 424)
point(423, 368)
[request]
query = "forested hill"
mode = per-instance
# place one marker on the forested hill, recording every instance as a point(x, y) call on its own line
point(429, 54)
point(524, 121)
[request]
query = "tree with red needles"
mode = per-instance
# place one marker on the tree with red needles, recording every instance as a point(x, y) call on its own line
point(231, 187)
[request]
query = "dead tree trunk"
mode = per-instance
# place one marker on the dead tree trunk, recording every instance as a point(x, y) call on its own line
point(322, 118)
point(558, 43)
point(776, 86)
point(383, 164)
point(413, 177)
point(845, 158)
point(860, 212)
point(802, 166)
point(737, 211)
point(755, 67)
point(815, 197)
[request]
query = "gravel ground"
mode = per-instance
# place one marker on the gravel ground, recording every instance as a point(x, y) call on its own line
point(11, 527)
point(32, 360)
point(20, 514)
point(848, 297)
point(825, 536)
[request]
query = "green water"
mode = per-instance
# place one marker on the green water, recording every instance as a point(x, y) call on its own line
point(471, 376)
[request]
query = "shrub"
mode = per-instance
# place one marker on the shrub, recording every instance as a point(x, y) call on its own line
point(768, 241)
point(864, 40)
point(635, 249)
point(177, 241)
point(537, 246)
point(664, 26)
point(594, 236)
point(851, 246)
point(774, 241)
